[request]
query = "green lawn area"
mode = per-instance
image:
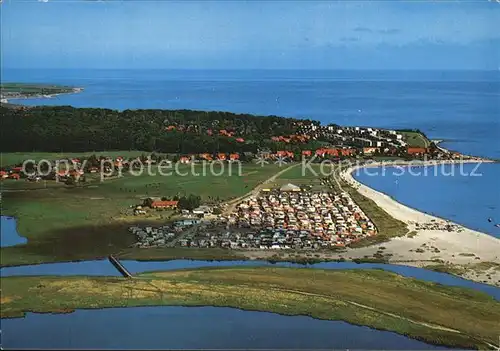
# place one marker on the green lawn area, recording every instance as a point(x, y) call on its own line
point(67, 223)
point(387, 226)
point(232, 183)
point(452, 316)
point(303, 176)
point(416, 139)
point(14, 158)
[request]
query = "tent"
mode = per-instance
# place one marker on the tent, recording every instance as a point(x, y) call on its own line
point(289, 187)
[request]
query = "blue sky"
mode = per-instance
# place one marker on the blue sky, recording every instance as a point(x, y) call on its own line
point(251, 34)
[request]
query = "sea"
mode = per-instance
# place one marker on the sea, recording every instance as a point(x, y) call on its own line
point(461, 108)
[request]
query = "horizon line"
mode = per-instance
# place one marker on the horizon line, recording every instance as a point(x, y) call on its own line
point(253, 69)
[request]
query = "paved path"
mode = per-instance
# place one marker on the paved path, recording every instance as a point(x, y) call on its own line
point(255, 191)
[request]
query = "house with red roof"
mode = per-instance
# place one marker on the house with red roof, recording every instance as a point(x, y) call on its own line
point(226, 133)
point(75, 173)
point(347, 152)
point(332, 152)
point(164, 204)
point(206, 157)
point(320, 152)
point(184, 159)
point(416, 150)
point(369, 150)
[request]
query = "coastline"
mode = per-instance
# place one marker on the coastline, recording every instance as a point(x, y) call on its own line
point(463, 246)
point(5, 100)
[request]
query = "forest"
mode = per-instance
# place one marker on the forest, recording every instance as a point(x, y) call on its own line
point(69, 129)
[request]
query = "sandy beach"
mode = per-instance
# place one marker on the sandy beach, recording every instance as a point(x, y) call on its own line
point(460, 246)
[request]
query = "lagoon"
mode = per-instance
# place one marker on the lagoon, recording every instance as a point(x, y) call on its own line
point(8, 233)
point(193, 328)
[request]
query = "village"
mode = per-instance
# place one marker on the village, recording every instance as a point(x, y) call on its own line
point(339, 143)
point(288, 217)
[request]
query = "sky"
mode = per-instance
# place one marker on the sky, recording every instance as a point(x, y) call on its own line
point(390, 34)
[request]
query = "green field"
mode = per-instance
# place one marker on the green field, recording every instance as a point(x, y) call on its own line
point(69, 223)
point(451, 316)
point(416, 139)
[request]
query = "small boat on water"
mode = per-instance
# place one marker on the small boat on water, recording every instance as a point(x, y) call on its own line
point(497, 225)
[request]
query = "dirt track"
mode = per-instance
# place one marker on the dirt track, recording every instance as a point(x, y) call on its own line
point(255, 191)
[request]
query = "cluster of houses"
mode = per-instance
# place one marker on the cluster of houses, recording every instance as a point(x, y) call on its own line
point(332, 217)
point(160, 236)
point(285, 218)
point(298, 218)
point(11, 173)
point(76, 168)
point(355, 136)
point(210, 157)
point(209, 131)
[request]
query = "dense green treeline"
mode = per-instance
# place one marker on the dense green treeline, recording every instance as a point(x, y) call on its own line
point(68, 129)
